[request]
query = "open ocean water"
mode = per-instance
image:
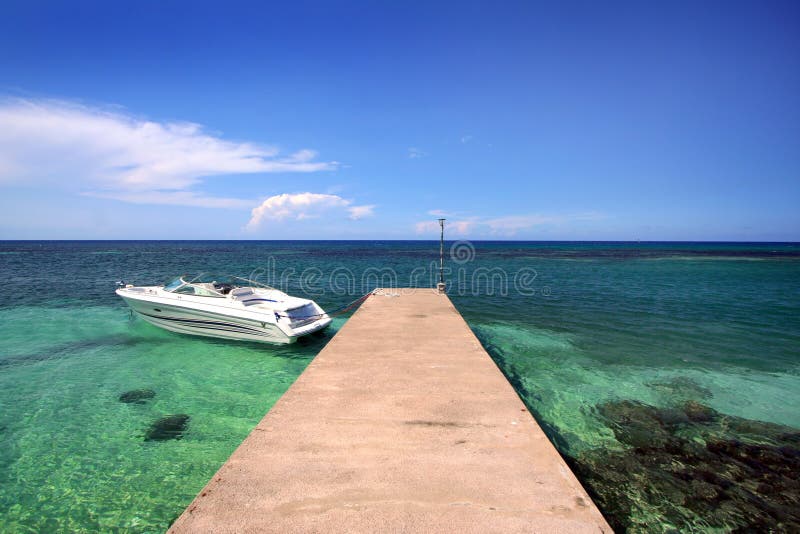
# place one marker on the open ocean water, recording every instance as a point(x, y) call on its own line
point(667, 374)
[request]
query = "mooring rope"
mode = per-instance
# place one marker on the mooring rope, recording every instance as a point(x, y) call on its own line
point(338, 311)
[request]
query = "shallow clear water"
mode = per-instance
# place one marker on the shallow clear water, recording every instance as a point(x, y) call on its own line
point(599, 325)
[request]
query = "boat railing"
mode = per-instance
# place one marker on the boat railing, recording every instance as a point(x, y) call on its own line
point(253, 283)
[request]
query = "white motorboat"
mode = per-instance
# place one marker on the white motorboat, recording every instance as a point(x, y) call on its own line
point(225, 307)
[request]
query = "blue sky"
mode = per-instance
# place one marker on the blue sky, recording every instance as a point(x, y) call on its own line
point(343, 120)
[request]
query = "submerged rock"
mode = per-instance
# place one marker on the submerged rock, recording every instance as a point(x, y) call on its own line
point(681, 387)
point(137, 396)
point(699, 413)
point(634, 423)
point(695, 469)
point(169, 427)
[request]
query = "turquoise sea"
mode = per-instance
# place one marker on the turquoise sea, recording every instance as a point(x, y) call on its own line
point(667, 374)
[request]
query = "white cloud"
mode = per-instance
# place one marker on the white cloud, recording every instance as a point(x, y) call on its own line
point(456, 227)
point(115, 155)
point(506, 226)
point(463, 227)
point(359, 212)
point(415, 153)
point(511, 224)
point(466, 139)
point(175, 198)
point(438, 213)
point(300, 206)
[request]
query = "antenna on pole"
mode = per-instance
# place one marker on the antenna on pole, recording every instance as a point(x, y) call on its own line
point(440, 286)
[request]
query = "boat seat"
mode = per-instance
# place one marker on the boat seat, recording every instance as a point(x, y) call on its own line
point(241, 292)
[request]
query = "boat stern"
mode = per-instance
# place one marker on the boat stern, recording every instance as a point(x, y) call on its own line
point(302, 319)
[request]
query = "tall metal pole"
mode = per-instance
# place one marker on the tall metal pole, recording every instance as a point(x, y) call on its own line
point(440, 286)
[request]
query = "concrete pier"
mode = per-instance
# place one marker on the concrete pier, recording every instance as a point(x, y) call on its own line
point(402, 423)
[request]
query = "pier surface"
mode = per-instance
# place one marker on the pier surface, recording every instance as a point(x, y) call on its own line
point(402, 423)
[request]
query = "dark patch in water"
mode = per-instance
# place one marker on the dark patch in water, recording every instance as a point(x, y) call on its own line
point(309, 345)
point(67, 350)
point(700, 413)
point(137, 396)
point(697, 467)
point(681, 388)
point(169, 427)
point(633, 251)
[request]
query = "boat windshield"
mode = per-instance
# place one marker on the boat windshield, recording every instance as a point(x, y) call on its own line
point(174, 284)
point(208, 285)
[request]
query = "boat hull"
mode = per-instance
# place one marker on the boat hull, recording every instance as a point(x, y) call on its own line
point(191, 321)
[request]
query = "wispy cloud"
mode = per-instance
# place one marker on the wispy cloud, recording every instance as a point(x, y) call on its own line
point(505, 226)
point(466, 139)
point(301, 206)
point(460, 227)
point(511, 224)
point(111, 154)
point(359, 212)
point(414, 153)
point(174, 198)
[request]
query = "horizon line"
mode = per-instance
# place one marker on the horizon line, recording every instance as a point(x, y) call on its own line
point(637, 241)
